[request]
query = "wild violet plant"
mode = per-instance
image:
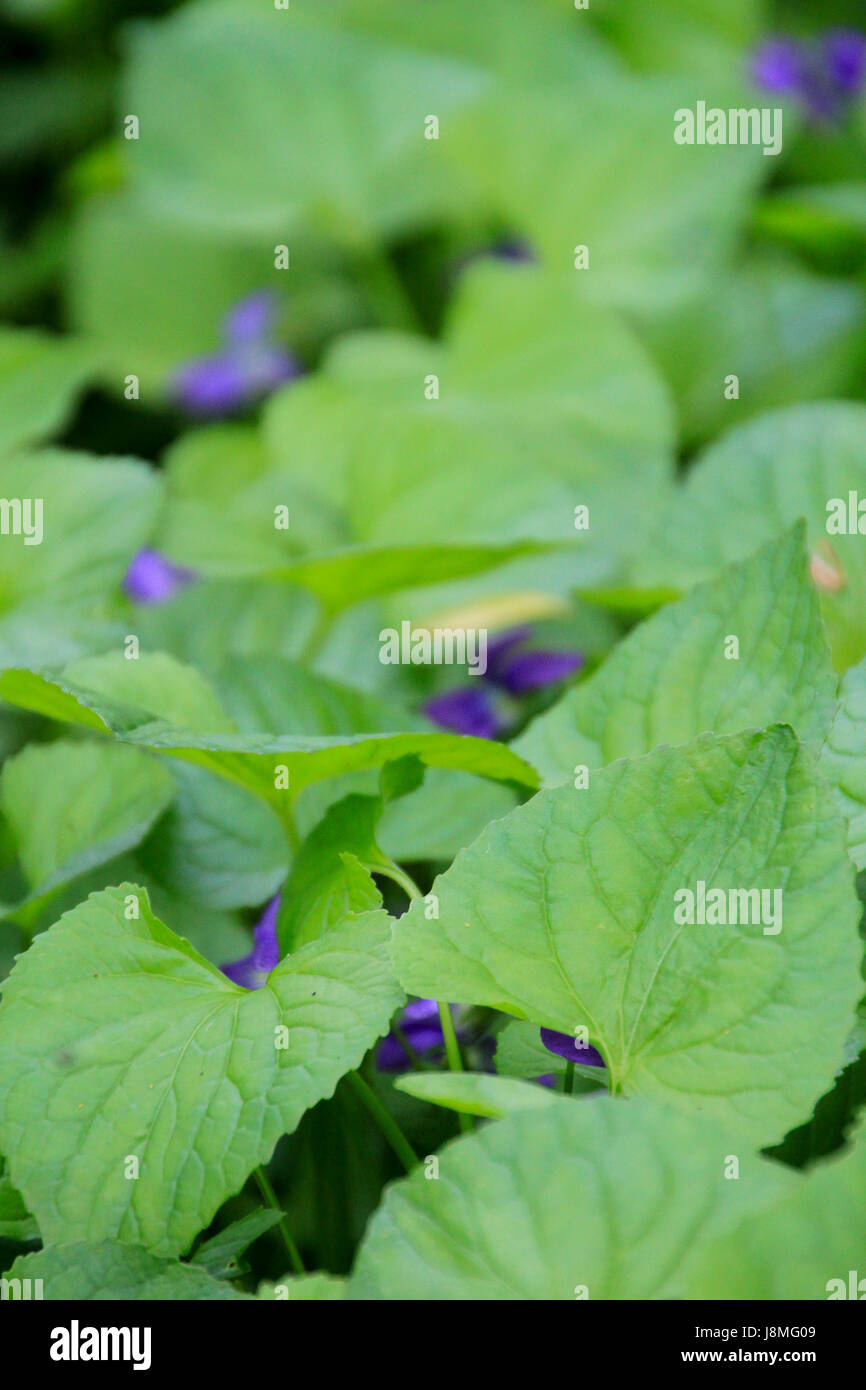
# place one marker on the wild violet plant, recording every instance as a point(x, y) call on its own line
point(430, 817)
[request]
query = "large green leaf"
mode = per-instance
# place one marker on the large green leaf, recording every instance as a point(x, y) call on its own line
point(253, 157)
point(563, 912)
point(756, 481)
point(255, 761)
point(807, 1244)
point(594, 1199)
point(673, 677)
point(96, 514)
point(126, 1273)
point(117, 1039)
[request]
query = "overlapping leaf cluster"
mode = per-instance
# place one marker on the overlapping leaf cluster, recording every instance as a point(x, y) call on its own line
point(167, 768)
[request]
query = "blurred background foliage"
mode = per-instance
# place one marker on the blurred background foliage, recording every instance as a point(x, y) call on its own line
point(261, 128)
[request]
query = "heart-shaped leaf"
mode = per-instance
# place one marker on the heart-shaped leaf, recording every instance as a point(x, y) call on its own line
point(569, 912)
point(118, 1042)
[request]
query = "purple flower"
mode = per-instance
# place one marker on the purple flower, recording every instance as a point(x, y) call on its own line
point(419, 1023)
point(845, 57)
point(151, 578)
point(468, 710)
point(780, 65)
point(478, 709)
point(250, 319)
point(535, 669)
point(823, 78)
point(252, 970)
point(563, 1045)
point(250, 365)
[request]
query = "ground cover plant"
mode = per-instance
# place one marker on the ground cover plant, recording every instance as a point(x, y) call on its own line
point(432, 650)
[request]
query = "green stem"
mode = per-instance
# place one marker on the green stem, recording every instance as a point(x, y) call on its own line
point(396, 875)
point(270, 1197)
point(287, 818)
point(385, 1120)
point(452, 1047)
point(568, 1083)
point(455, 1061)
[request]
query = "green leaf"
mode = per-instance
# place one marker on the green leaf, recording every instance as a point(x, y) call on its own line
point(16, 1223)
point(682, 35)
point(73, 805)
point(788, 335)
point(96, 514)
point(154, 683)
point(473, 1093)
point(357, 163)
point(756, 481)
point(673, 678)
point(39, 379)
point(270, 695)
point(363, 572)
point(330, 876)
point(84, 1271)
point(657, 218)
point(596, 1195)
point(564, 913)
point(253, 762)
point(219, 1255)
point(217, 844)
point(117, 1039)
point(805, 1245)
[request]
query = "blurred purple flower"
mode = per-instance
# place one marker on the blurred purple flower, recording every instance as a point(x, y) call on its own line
point(845, 56)
point(563, 1045)
point(476, 709)
point(250, 365)
point(468, 710)
point(824, 78)
point(780, 65)
point(252, 970)
point(535, 669)
point(151, 578)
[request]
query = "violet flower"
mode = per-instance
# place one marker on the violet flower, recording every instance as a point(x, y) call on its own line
point(249, 366)
point(514, 670)
point(151, 578)
point(564, 1045)
point(252, 970)
point(467, 710)
point(824, 77)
